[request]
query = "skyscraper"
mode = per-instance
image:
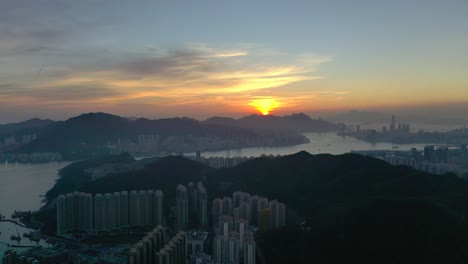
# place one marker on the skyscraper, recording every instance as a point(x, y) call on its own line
point(237, 197)
point(264, 219)
point(158, 207)
point(249, 252)
point(202, 203)
point(282, 214)
point(274, 214)
point(62, 224)
point(216, 211)
point(181, 207)
point(227, 206)
point(218, 249)
point(254, 210)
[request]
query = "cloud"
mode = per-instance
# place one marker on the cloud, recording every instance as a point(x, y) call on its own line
point(189, 75)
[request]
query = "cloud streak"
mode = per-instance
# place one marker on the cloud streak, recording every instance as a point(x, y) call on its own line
point(184, 76)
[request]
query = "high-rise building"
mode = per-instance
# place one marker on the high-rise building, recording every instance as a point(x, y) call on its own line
point(124, 209)
point(202, 203)
point(143, 252)
point(244, 210)
point(158, 207)
point(282, 214)
point(264, 219)
point(216, 211)
point(254, 210)
point(226, 225)
point(62, 224)
point(231, 249)
point(227, 206)
point(135, 208)
point(237, 197)
point(181, 207)
point(218, 246)
point(174, 252)
point(262, 203)
point(249, 252)
point(274, 214)
point(82, 211)
point(393, 124)
point(242, 228)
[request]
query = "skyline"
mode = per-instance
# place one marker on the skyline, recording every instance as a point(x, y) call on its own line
point(58, 59)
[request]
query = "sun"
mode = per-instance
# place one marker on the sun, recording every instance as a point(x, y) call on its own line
point(265, 106)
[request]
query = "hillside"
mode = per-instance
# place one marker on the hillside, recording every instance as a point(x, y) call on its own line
point(351, 207)
point(296, 123)
point(22, 128)
point(89, 135)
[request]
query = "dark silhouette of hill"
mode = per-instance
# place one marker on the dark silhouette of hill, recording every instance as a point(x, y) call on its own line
point(348, 207)
point(164, 174)
point(87, 135)
point(75, 175)
point(298, 123)
point(23, 128)
point(356, 208)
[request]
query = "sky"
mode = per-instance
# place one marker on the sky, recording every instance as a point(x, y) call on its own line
point(60, 58)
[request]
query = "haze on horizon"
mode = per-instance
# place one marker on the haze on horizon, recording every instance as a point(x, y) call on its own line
point(225, 58)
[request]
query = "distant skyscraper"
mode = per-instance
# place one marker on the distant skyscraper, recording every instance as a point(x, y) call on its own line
point(264, 219)
point(254, 210)
point(232, 252)
point(124, 210)
point(202, 203)
point(393, 124)
point(249, 252)
point(244, 211)
point(216, 211)
point(226, 225)
point(218, 246)
point(158, 207)
point(62, 224)
point(242, 228)
point(181, 207)
point(227, 206)
point(274, 214)
point(237, 197)
point(282, 214)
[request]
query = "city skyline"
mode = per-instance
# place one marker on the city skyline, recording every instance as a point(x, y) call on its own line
point(155, 59)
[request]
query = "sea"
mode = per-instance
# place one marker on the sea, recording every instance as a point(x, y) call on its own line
point(22, 186)
point(21, 189)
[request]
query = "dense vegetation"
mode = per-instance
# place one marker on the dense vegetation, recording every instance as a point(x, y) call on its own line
point(350, 207)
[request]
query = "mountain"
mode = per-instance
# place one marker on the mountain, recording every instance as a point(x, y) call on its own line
point(80, 135)
point(347, 207)
point(25, 127)
point(90, 135)
point(296, 123)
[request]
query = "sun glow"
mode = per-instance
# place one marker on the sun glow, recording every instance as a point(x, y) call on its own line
point(265, 106)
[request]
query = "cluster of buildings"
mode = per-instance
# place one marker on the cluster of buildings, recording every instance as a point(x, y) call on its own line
point(433, 159)
point(257, 211)
point(102, 212)
point(234, 242)
point(233, 219)
point(11, 143)
point(153, 249)
point(191, 209)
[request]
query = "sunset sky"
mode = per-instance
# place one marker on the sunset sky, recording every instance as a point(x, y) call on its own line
point(156, 59)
